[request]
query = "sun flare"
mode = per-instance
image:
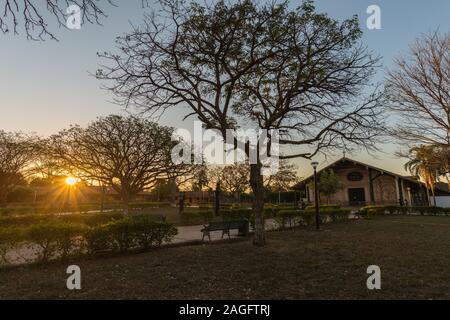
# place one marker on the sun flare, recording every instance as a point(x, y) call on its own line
point(71, 181)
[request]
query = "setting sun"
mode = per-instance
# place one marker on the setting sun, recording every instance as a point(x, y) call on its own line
point(71, 181)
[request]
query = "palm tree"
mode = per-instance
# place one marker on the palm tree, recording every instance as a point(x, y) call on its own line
point(425, 165)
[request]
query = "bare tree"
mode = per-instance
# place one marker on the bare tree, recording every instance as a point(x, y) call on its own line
point(17, 155)
point(247, 65)
point(128, 153)
point(32, 15)
point(419, 92)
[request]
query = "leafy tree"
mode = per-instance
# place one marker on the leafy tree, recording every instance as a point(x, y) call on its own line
point(17, 155)
point(284, 178)
point(329, 183)
point(251, 65)
point(128, 153)
point(163, 189)
point(201, 180)
point(232, 178)
point(426, 164)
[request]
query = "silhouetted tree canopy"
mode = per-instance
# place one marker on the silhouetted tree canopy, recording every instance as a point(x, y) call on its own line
point(419, 92)
point(128, 153)
point(244, 64)
point(18, 153)
point(32, 16)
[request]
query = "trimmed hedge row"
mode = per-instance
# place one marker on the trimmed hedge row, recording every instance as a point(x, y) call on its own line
point(82, 208)
point(90, 219)
point(281, 213)
point(196, 217)
point(60, 240)
point(371, 211)
point(139, 232)
point(323, 207)
point(307, 217)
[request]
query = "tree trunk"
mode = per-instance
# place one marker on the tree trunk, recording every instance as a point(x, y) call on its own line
point(428, 196)
point(434, 196)
point(126, 204)
point(126, 207)
point(256, 183)
point(173, 190)
point(102, 200)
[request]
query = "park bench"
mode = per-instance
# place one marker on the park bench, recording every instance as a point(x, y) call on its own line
point(225, 226)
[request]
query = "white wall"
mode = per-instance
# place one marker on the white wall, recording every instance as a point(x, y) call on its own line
point(441, 201)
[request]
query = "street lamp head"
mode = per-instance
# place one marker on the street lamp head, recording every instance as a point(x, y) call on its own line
point(314, 164)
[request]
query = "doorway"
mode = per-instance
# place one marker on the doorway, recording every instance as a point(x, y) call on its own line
point(356, 196)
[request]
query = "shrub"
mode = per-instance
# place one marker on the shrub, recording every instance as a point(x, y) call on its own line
point(245, 213)
point(80, 208)
point(392, 209)
point(138, 232)
point(339, 215)
point(68, 239)
point(308, 217)
point(98, 240)
point(53, 239)
point(438, 210)
point(196, 217)
point(289, 216)
point(402, 210)
point(90, 219)
point(371, 211)
point(143, 205)
point(322, 207)
point(43, 235)
point(422, 210)
point(236, 214)
point(93, 219)
point(270, 211)
point(9, 238)
point(22, 221)
point(148, 232)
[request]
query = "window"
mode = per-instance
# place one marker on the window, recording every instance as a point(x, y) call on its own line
point(355, 176)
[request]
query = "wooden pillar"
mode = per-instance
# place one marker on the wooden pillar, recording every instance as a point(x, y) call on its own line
point(397, 188)
point(372, 194)
point(402, 194)
point(217, 200)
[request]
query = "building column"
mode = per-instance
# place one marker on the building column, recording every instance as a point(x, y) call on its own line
point(397, 188)
point(402, 193)
point(372, 194)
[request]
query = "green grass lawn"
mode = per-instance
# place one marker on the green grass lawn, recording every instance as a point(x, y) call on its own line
point(412, 252)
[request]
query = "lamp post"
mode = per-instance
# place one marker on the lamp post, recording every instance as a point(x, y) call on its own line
point(217, 200)
point(314, 164)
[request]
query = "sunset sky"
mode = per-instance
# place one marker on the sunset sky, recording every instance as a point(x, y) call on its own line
point(46, 86)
